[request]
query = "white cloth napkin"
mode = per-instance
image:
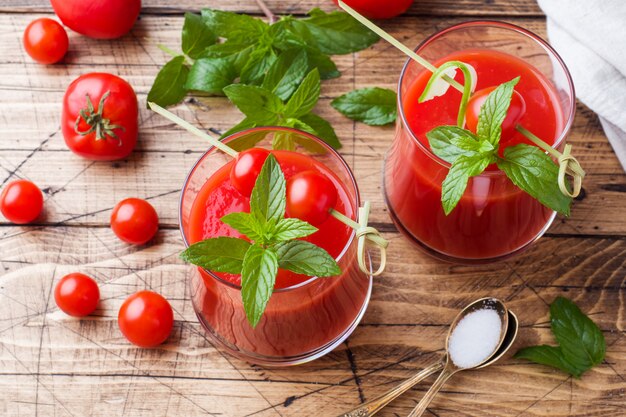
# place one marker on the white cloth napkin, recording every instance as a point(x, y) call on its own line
point(590, 36)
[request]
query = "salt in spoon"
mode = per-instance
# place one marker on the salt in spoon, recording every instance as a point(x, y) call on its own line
point(374, 406)
point(461, 358)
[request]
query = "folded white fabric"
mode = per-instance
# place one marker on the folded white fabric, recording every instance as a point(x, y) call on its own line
point(590, 36)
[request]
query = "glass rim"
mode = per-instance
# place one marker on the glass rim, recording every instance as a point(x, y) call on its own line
point(498, 24)
point(236, 135)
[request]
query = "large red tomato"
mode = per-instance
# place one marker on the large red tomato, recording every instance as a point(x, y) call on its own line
point(100, 19)
point(377, 9)
point(99, 120)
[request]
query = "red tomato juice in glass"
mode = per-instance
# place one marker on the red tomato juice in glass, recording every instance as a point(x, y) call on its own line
point(300, 317)
point(494, 218)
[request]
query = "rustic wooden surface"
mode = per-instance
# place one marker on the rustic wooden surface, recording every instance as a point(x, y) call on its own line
point(53, 365)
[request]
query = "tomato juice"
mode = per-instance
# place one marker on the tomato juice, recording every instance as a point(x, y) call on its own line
point(494, 218)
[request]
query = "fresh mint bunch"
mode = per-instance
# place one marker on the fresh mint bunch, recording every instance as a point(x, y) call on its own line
point(581, 342)
point(221, 48)
point(527, 166)
point(271, 244)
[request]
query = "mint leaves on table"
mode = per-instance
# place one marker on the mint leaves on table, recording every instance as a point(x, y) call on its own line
point(527, 166)
point(581, 342)
point(373, 106)
point(222, 49)
point(271, 244)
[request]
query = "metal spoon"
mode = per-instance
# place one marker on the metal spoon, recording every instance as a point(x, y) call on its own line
point(451, 368)
point(374, 406)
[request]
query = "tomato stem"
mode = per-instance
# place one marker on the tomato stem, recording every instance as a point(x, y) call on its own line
point(191, 128)
point(96, 121)
point(270, 16)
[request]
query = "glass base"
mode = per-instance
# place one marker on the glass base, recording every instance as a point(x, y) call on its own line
point(453, 259)
point(281, 361)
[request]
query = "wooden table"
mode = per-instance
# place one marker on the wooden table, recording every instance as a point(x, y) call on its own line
point(53, 365)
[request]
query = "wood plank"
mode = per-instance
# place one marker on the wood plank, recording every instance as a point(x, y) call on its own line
point(403, 331)
point(420, 7)
point(30, 101)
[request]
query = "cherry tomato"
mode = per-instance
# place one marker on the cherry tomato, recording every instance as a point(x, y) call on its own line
point(134, 221)
point(310, 196)
point(514, 114)
point(247, 168)
point(146, 319)
point(77, 294)
point(45, 41)
point(376, 9)
point(105, 107)
point(21, 201)
point(100, 19)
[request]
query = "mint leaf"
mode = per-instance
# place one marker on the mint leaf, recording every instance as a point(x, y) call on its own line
point(322, 129)
point(258, 276)
point(323, 63)
point(533, 171)
point(286, 74)
point(196, 35)
point(211, 75)
point(547, 355)
point(259, 62)
point(305, 258)
point(493, 112)
point(305, 97)
point(454, 185)
point(169, 86)
point(284, 141)
point(373, 106)
point(255, 102)
point(581, 340)
point(334, 33)
point(267, 202)
point(287, 229)
point(450, 142)
point(245, 223)
point(220, 254)
point(240, 145)
point(237, 52)
point(232, 25)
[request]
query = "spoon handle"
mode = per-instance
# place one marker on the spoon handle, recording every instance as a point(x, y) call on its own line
point(434, 389)
point(372, 407)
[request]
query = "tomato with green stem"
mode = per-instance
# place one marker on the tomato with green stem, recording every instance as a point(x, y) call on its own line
point(134, 221)
point(246, 169)
point(21, 201)
point(516, 111)
point(100, 117)
point(146, 319)
point(376, 9)
point(45, 40)
point(77, 294)
point(310, 197)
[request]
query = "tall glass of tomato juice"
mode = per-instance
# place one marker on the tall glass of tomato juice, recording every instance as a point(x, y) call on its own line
point(494, 218)
point(306, 317)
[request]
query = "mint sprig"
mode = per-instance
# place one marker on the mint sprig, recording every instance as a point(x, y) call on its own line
point(469, 154)
point(272, 244)
point(581, 342)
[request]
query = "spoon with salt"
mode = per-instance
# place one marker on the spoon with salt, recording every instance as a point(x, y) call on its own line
point(475, 338)
point(374, 406)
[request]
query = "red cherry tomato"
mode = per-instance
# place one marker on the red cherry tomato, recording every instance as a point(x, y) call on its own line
point(247, 168)
point(105, 107)
point(146, 319)
point(376, 9)
point(77, 294)
point(134, 221)
point(310, 196)
point(513, 115)
point(21, 202)
point(45, 41)
point(101, 19)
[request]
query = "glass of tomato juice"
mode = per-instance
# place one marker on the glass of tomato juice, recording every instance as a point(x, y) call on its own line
point(306, 317)
point(494, 219)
